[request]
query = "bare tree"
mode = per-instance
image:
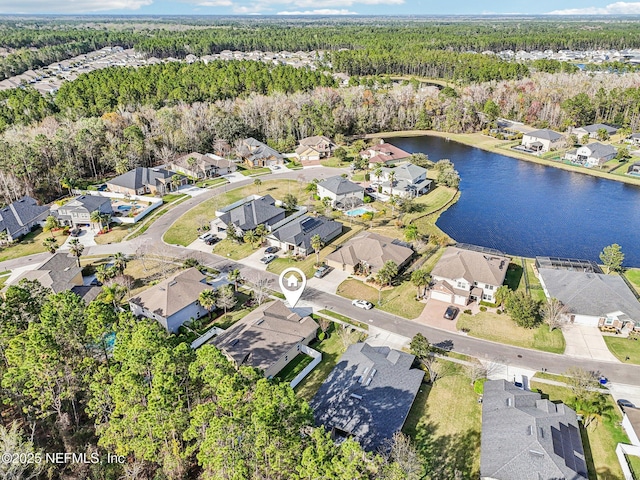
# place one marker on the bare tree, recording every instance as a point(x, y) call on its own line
point(476, 371)
point(554, 313)
point(581, 382)
point(262, 286)
point(346, 335)
point(324, 324)
point(405, 455)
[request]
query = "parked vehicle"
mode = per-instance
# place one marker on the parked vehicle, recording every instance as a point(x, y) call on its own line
point(74, 232)
point(451, 312)
point(321, 271)
point(268, 259)
point(205, 236)
point(271, 249)
point(212, 240)
point(362, 304)
point(622, 403)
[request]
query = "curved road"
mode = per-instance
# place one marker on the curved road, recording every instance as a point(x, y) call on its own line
point(483, 349)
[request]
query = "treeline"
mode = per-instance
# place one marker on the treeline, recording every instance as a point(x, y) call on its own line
point(85, 379)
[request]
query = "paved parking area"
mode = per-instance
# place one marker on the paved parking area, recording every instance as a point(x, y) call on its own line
point(253, 260)
point(586, 342)
point(86, 238)
point(433, 315)
point(329, 283)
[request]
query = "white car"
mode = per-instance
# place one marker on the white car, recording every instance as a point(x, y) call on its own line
point(268, 258)
point(205, 236)
point(362, 304)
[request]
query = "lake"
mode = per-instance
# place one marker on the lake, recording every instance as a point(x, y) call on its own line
point(526, 209)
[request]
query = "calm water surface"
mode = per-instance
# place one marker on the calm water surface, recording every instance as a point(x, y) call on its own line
point(526, 209)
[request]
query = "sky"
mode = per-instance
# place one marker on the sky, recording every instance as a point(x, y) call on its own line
point(320, 7)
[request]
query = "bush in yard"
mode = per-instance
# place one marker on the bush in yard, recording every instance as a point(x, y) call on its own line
point(478, 386)
point(467, 312)
point(499, 312)
point(483, 308)
point(523, 309)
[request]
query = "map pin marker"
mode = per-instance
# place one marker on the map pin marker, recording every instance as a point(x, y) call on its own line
point(292, 283)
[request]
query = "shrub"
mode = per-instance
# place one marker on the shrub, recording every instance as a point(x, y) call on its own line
point(467, 312)
point(499, 312)
point(483, 308)
point(367, 177)
point(321, 336)
point(478, 386)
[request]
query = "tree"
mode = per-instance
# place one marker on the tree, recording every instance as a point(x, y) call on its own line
point(411, 232)
point(232, 234)
point(208, 299)
point(51, 244)
point(612, 257)
point(420, 279)
point(261, 233)
point(623, 154)
point(406, 457)
point(378, 172)
point(120, 262)
point(475, 371)
point(113, 294)
point(554, 313)
point(585, 139)
point(502, 293)
point(491, 110)
point(523, 309)
point(235, 277)
point(257, 182)
point(581, 382)
point(50, 224)
point(96, 218)
point(12, 443)
point(387, 273)
point(289, 202)
point(76, 249)
point(226, 298)
point(422, 349)
point(392, 180)
point(421, 160)
point(104, 273)
point(250, 237)
point(317, 244)
point(341, 154)
point(602, 134)
point(594, 408)
point(262, 286)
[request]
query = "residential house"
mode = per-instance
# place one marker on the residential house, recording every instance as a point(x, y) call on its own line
point(248, 213)
point(315, 148)
point(634, 138)
point(20, 217)
point(60, 272)
point(409, 180)
point(631, 425)
point(368, 395)
point(527, 438)
point(198, 166)
point(541, 141)
point(142, 180)
point(384, 153)
point(257, 154)
point(295, 236)
point(463, 275)
point(268, 338)
point(592, 155)
point(368, 252)
point(634, 169)
point(77, 212)
point(342, 192)
point(172, 301)
point(592, 298)
point(592, 130)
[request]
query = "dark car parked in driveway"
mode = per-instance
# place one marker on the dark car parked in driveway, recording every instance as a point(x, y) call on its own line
point(271, 249)
point(451, 312)
point(212, 240)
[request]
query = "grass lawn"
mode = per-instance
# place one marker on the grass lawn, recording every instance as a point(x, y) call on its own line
point(358, 177)
point(212, 182)
point(602, 438)
point(225, 321)
point(551, 376)
point(514, 278)
point(148, 271)
point(623, 348)
point(344, 318)
point(400, 300)
point(331, 348)
point(254, 171)
point(116, 235)
point(30, 244)
point(445, 423)
point(233, 250)
point(294, 367)
point(172, 197)
point(633, 275)
point(501, 329)
point(427, 224)
point(185, 230)
point(431, 202)
point(334, 162)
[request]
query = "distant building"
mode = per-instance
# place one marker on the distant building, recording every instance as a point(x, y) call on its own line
point(143, 180)
point(592, 155)
point(342, 192)
point(77, 212)
point(315, 148)
point(384, 153)
point(368, 395)
point(592, 130)
point(20, 217)
point(527, 438)
point(172, 301)
point(541, 141)
point(248, 213)
point(198, 166)
point(295, 236)
point(409, 181)
point(257, 154)
point(59, 272)
point(268, 338)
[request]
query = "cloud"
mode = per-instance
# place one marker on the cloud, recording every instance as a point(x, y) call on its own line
point(322, 11)
point(70, 6)
point(617, 8)
point(342, 3)
point(214, 3)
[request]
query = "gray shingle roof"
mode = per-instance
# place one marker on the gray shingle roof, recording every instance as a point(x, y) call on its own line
point(593, 294)
point(407, 171)
point(545, 134)
point(253, 213)
point(527, 438)
point(597, 126)
point(340, 185)
point(56, 273)
point(253, 149)
point(373, 249)
point(90, 202)
point(368, 394)
point(16, 215)
point(599, 150)
point(299, 231)
point(140, 176)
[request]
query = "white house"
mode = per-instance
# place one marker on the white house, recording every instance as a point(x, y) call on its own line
point(543, 140)
point(592, 130)
point(409, 180)
point(342, 192)
point(592, 155)
point(463, 275)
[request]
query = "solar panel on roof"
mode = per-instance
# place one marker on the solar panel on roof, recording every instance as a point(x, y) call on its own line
point(310, 224)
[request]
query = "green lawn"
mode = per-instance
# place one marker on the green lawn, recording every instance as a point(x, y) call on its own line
point(172, 197)
point(431, 202)
point(30, 244)
point(255, 171)
point(185, 230)
point(633, 275)
point(334, 162)
point(331, 348)
point(400, 300)
point(602, 438)
point(445, 423)
point(344, 318)
point(212, 182)
point(501, 329)
point(624, 347)
point(514, 278)
point(117, 233)
point(427, 224)
point(233, 250)
point(294, 367)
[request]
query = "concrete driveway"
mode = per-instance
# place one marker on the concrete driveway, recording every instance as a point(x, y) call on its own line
point(86, 238)
point(433, 315)
point(253, 260)
point(586, 342)
point(329, 283)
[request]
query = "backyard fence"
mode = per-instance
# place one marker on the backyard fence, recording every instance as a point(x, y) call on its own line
point(317, 358)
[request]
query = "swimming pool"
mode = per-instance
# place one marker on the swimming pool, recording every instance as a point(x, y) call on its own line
point(124, 208)
point(356, 212)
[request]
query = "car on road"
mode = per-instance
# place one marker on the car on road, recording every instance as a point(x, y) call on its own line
point(271, 249)
point(205, 236)
point(321, 271)
point(268, 258)
point(622, 403)
point(212, 240)
point(362, 304)
point(451, 312)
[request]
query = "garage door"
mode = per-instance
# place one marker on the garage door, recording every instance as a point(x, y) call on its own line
point(443, 297)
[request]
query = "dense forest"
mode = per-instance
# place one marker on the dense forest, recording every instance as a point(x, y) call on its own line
point(170, 412)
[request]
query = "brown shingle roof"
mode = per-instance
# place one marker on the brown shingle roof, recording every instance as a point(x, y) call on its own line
point(472, 266)
point(371, 248)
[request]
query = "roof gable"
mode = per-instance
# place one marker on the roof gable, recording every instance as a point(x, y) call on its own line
point(473, 266)
point(339, 185)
